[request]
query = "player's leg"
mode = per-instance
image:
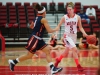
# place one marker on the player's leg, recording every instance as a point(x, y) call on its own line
point(71, 43)
point(64, 54)
point(54, 70)
point(12, 63)
point(32, 43)
point(75, 56)
point(70, 55)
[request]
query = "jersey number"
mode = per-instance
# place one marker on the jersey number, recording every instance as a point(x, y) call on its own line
point(71, 29)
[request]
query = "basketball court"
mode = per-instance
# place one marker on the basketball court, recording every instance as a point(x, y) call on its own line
point(89, 59)
point(15, 19)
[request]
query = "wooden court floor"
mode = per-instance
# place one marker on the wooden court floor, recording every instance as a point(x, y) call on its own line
point(38, 65)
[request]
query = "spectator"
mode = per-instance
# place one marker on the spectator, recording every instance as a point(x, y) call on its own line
point(90, 11)
point(84, 16)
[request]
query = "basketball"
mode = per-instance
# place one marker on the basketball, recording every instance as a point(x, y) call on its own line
point(91, 39)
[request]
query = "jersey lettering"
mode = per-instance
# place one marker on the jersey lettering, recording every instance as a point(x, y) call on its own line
point(71, 24)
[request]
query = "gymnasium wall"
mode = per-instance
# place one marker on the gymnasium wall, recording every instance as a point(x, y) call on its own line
point(84, 2)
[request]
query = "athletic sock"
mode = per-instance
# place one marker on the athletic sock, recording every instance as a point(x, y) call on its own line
point(76, 61)
point(59, 58)
point(16, 61)
point(51, 64)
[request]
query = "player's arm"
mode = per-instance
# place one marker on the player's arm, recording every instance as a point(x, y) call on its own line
point(48, 28)
point(61, 22)
point(80, 26)
point(32, 25)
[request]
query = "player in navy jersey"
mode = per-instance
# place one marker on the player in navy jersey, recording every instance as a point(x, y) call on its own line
point(35, 41)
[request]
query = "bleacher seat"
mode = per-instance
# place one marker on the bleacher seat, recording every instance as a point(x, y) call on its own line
point(91, 17)
point(87, 30)
point(93, 21)
point(97, 10)
point(44, 4)
point(13, 24)
point(96, 29)
point(22, 21)
point(52, 6)
point(0, 3)
point(3, 20)
point(9, 3)
point(12, 17)
point(17, 3)
point(22, 16)
point(98, 14)
point(3, 16)
point(98, 19)
point(86, 25)
point(84, 21)
point(61, 6)
point(95, 25)
point(30, 14)
point(78, 6)
point(26, 3)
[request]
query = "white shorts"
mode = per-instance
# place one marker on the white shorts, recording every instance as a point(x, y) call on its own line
point(70, 40)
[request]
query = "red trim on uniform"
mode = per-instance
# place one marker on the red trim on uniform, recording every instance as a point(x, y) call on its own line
point(39, 15)
point(70, 17)
point(32, 52)
point(29, 42)
point(34, 46)
point(37, 34)
point(43, 47)
point(41, 28)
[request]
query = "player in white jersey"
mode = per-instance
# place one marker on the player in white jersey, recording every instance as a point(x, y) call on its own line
point(71, 21)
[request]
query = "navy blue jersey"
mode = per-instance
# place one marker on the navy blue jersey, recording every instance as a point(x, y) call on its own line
point(39, 28)
point(35, 41)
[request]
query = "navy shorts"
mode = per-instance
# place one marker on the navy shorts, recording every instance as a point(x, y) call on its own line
point(35, 44)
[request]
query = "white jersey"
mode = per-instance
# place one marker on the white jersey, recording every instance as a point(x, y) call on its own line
point(71, 24)
point(70, 30)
